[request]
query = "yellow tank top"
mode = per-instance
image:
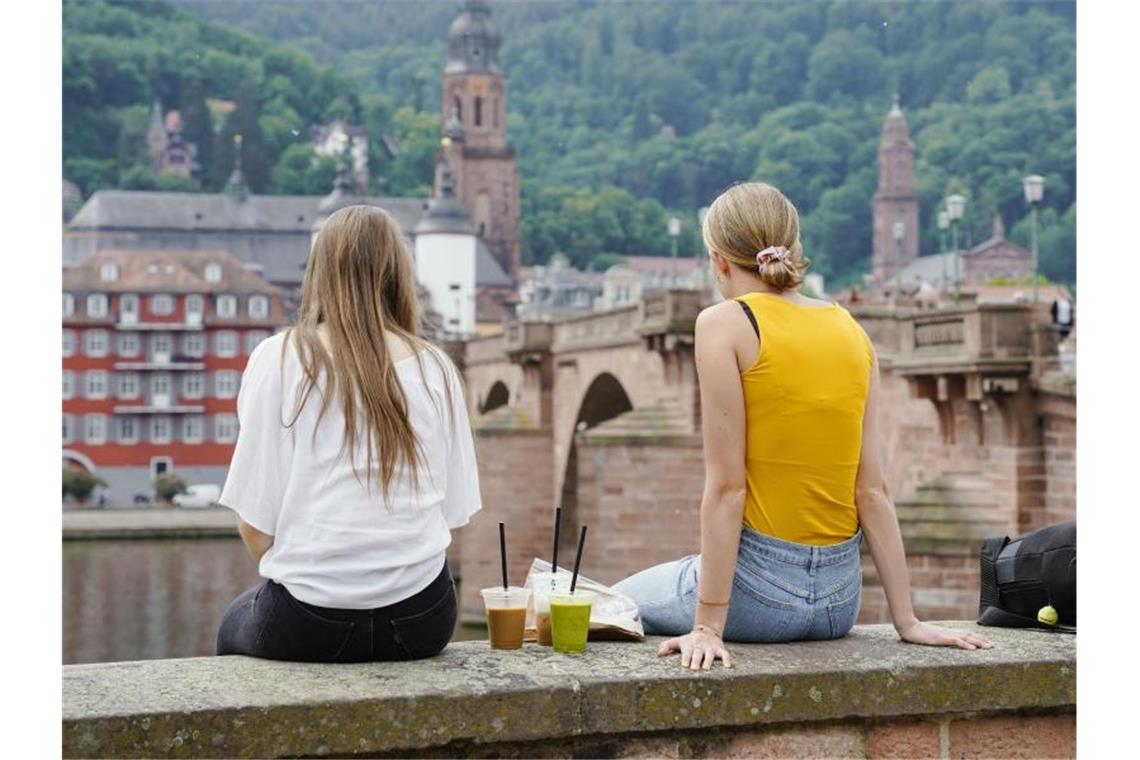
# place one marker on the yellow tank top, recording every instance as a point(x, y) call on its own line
point(804, 400)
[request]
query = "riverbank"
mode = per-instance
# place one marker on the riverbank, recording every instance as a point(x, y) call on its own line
point(150, 522)
point(865, 695)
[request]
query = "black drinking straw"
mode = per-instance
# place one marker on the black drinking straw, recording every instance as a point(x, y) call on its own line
point(557, 525)
point(578, 559)
point(503, 552)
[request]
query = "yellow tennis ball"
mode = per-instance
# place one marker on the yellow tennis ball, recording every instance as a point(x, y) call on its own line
point(1047, 615)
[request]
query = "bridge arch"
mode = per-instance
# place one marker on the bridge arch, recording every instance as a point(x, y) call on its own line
point(498, 395)
point(605, 398)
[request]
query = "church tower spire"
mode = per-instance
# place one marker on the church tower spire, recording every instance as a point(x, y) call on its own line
point(473, 113)
point(895, 199)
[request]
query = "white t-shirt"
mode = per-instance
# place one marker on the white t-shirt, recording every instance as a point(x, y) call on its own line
point(336, 543)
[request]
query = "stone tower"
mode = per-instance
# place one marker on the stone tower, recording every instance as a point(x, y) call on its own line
point(895, 199)
point(473, 114)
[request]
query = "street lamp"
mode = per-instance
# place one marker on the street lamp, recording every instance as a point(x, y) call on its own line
point(1034, 190)
point(955, 206)
point(674, 232)
point(899, 230)
point(943, 223)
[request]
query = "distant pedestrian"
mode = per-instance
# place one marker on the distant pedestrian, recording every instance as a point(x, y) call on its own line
point(794, 478)
point(354, 460)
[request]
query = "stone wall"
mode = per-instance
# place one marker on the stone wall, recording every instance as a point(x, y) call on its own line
point(514, 477)
point(864, 695)
point(642, 501)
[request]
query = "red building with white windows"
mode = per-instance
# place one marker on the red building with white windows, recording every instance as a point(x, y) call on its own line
point(154, 344)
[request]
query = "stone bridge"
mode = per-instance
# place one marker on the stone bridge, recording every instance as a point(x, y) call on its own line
point(600, 415)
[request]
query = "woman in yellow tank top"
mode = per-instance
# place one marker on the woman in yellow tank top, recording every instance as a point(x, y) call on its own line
point(793, 474)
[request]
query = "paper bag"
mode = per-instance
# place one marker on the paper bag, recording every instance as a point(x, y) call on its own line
point(613, 616)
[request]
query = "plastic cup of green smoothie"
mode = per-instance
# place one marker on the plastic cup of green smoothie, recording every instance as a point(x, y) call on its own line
point(570, 620)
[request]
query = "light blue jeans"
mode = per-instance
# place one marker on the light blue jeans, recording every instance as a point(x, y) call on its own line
point(782, 591)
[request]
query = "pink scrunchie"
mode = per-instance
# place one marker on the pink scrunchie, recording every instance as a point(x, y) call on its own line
point(772, 253)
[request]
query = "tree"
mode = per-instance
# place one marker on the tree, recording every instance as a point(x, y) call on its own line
point(79, 484)
point(167, 486)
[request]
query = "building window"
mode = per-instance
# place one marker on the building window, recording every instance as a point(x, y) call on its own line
point(160, 431)
point(162, 305)
point(109, 272)
point(129, 344)
point(226, 343)
point(95, 384)
point(253, 339)
point(193, 429)
point(68, 343)
point(194, 344)
point(95, 429)
point(128, 430)
point(226, 306)
point(225, 428)
point(195, 305)
point(68, 305)
point(258, 307)
point(128, 308)
point(68, 384)
point(457, 105)
point(213, 273)
point(226, 383)
point(193, 385)
point(68, 428)
point(160, 385)
point(478, 111)
point(95, 343)
point(128, 385)
point(161, 346)
point(97, 305)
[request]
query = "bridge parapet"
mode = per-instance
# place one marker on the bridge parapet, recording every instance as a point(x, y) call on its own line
point(598, 330)
point(485, 350)
point(669, 317)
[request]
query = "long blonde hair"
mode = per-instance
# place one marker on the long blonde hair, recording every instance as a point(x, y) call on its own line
point(359, 284)
point(749, 217)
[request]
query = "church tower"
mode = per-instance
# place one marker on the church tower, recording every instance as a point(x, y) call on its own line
point(473, 114)
point(895, 200)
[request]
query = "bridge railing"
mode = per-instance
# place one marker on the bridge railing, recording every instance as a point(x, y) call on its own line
point(485, 350)
point(605, 328)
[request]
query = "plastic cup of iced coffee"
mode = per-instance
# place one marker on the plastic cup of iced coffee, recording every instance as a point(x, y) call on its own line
point(506, 615)
point(545, 584)
point(570, 620)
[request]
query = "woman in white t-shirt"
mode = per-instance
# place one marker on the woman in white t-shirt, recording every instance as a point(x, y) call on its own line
point(354, 460)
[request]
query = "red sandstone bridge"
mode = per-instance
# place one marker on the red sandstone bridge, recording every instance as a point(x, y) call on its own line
point(600, 414)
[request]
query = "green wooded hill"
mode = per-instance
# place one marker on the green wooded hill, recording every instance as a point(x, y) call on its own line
point(622, 112)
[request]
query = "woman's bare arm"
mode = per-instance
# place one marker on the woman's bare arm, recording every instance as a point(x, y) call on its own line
point(722, 504)
point(256, 542)
point(880, 525)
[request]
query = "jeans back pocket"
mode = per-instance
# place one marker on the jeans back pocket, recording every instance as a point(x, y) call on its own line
point(426, 633)
point(294, 631)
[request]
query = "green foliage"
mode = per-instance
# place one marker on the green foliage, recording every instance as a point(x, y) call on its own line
point(793, 93)
point(168, 485)
point(80, 484)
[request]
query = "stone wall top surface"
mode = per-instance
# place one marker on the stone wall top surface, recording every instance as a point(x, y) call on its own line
point(237, 706)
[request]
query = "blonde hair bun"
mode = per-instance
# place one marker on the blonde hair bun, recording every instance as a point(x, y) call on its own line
point(756, 227)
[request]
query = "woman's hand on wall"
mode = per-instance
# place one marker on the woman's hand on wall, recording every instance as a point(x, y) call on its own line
point(699, 650)
point(932, 635)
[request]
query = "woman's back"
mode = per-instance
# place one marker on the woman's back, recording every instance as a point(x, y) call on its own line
point(339, 541)
point(804, 400)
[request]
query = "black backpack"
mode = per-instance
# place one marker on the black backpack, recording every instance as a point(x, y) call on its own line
point(1020, 577)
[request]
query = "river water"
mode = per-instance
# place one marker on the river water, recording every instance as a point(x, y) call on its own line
point(153, 598)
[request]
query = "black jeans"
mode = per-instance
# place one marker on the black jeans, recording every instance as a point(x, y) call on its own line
point(267, 621)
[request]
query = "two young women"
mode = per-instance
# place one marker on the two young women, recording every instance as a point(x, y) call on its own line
point(355, 459)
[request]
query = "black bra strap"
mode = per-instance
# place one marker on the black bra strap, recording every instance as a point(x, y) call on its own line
point(751, 317)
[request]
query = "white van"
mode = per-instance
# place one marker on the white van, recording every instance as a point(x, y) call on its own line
point(199, 496)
